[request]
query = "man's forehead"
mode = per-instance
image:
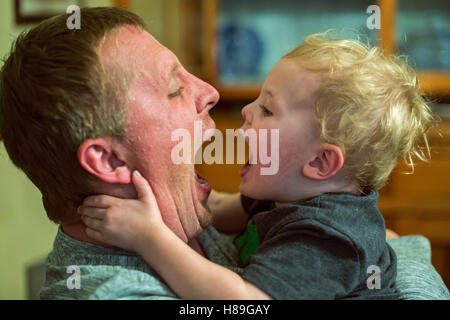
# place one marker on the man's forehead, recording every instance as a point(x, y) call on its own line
point(133, 43)
point(140, 50)
point(121, 38)
point(154, 56)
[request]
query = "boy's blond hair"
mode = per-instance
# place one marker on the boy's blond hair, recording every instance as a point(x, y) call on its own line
point(369, 104)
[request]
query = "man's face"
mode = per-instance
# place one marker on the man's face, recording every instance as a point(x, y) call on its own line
point(165, 97)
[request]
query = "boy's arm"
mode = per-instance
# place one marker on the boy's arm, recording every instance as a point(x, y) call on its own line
point(137, 225)
point(229, 215)
point(190, 275)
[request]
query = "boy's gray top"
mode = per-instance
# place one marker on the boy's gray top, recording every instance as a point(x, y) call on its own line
point(107, 273)
point(321, 248)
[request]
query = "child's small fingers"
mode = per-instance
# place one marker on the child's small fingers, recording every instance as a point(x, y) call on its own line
point(100, 201)
point(94, 234)
point(92, 212)
point(143, 188)
point(92, 222)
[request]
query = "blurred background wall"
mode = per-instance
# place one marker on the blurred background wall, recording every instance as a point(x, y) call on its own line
point(25, 232)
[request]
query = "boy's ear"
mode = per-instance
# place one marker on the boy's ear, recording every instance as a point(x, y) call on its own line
point(325, 164)
point(99, 157)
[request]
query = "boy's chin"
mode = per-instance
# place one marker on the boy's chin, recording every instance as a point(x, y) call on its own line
point(253, 192)
point(245, 190)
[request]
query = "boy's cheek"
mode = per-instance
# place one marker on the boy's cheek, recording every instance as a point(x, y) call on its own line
point(263, 187)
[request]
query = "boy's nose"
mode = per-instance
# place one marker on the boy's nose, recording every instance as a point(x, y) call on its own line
point(246, 114)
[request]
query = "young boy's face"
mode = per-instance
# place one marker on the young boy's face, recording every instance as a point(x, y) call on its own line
point(286, 103)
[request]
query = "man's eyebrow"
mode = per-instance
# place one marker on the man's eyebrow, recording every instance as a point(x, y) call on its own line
point(168, 67)
point(172, 71)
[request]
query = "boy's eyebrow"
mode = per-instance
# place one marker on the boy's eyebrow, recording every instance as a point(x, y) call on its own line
point(268, 92)
point(272, 97)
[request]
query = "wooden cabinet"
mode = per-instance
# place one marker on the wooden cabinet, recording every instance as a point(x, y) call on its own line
point(419, 203)
point(192, 29)
point(205, 25)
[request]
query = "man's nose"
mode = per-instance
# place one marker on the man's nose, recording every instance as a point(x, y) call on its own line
point(207, 98)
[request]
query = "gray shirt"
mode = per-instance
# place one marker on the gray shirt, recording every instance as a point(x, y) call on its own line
point(106, 273)
point(323, 248)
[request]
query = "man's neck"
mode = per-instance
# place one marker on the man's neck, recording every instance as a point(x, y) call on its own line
point(77, 231)
point(75, 228)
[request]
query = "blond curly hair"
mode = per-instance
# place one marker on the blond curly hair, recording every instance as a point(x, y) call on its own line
point(369, 104)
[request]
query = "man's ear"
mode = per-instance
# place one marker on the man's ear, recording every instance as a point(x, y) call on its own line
point(99, 157)
point(325, 164)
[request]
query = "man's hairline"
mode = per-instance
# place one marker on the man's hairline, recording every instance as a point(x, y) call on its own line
point(174, 66)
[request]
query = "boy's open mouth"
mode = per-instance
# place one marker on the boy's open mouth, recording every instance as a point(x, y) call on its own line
point(245, 169)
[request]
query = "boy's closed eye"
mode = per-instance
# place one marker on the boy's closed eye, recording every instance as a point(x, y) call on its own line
point(266, 112)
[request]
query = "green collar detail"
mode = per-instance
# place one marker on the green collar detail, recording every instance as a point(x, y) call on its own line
point(247, 243)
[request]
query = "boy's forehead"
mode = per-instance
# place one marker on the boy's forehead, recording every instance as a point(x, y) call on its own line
point(297, 83)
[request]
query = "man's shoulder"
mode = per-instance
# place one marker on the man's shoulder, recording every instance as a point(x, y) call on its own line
point(102, 282)
point(76, 270)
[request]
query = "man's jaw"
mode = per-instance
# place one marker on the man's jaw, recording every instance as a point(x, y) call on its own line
point(183, 203)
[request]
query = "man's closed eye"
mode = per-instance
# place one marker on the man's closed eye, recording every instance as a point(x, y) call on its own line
point(175, 93)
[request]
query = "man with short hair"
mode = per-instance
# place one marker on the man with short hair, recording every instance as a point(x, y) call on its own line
point(79, 111)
